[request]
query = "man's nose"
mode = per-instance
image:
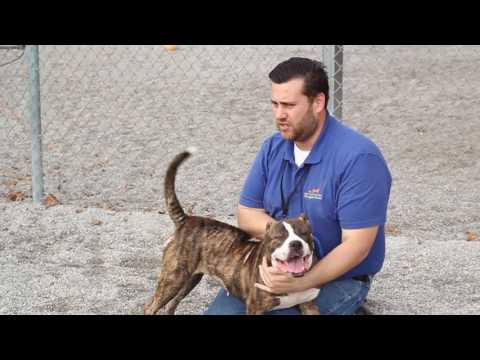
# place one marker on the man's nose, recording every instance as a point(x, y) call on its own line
point(279, 113)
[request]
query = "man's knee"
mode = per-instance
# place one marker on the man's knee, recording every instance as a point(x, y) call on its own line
point(225, 304)
point(342, 297)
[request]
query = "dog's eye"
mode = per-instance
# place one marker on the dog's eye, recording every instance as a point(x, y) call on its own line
point(278, 239)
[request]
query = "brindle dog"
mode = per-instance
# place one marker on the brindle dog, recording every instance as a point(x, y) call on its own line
point(205, 246)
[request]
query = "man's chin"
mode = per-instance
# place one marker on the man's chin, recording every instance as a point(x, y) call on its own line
point(287, 135)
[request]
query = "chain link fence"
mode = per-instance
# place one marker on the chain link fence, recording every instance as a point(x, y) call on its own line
point(113, 116)
point(421, 105)
point(15, 154)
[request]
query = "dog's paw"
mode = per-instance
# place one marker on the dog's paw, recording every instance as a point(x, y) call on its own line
point(148, 308)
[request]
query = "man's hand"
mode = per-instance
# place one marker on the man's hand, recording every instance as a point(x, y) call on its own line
point(278, 282)
point(253, 221)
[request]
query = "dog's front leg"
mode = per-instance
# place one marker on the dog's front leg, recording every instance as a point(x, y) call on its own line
point(309, 308)
point(254, 311)
point(261, 304)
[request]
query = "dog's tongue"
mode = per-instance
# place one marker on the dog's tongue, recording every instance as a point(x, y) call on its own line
point(296, 265)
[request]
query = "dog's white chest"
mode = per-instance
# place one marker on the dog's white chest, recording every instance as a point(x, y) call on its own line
point(297, 298)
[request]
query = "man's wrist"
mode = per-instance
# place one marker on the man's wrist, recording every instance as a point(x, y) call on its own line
point(307, 281)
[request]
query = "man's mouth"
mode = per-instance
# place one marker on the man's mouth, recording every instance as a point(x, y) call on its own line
point(297, 265)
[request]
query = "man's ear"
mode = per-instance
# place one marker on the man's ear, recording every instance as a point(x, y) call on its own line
point(319, 102)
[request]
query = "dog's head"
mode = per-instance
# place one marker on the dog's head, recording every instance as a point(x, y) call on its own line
point(289, 245)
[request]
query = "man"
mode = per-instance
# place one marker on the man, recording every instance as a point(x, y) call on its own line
point(335, 176)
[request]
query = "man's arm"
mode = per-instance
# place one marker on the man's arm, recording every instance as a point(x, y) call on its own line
point(354, 248)
point(252, 220)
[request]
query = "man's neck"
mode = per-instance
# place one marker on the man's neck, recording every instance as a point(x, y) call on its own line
point(307, 144)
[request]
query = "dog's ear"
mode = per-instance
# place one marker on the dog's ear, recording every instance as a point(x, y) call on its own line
point(268, 226)
point(302, 217)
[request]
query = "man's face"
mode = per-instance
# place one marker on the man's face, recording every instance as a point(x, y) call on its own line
point(295, 115)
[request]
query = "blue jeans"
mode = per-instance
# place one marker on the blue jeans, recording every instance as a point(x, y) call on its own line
point(339, 297)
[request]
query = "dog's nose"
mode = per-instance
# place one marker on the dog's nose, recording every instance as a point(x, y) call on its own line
point(296, 245)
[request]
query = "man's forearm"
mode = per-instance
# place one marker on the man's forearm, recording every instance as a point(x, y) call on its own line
point(340, 260)
point(253, 221)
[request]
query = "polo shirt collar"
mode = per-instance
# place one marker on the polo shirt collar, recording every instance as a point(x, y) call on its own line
point(317, 152)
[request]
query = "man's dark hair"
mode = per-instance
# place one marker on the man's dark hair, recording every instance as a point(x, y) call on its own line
point(313, 72)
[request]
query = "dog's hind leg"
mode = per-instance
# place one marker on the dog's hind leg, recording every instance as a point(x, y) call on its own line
point(168, 287)
point(187, 288)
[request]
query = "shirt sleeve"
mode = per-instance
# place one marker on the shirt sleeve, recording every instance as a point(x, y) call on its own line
point(363, 194)
point(254, 186)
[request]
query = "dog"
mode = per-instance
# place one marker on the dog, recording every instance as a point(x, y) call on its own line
point(202, 245)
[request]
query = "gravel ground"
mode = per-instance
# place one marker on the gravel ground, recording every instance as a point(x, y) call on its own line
point(110, 131)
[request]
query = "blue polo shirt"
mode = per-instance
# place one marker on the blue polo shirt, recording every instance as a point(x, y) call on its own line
point(343, 183)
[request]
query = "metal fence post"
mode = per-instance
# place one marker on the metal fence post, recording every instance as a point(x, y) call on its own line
point(35, 120)
point(333, 60)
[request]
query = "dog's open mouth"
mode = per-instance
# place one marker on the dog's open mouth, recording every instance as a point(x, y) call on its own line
point(297, 265)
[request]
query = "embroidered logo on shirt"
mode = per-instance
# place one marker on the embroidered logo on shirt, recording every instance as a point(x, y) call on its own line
point(313, 194)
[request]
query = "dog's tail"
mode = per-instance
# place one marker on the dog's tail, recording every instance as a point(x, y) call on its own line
point(173, 205)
